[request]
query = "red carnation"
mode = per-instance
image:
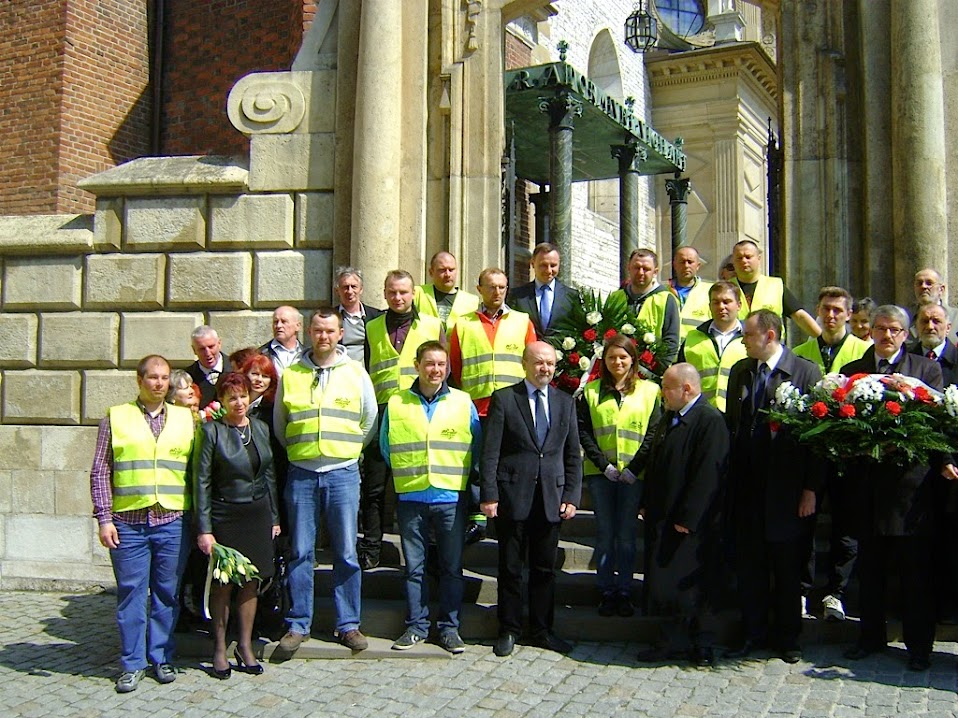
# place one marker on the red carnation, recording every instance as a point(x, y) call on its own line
point(839, 394)
point(647, 358)
point(774, 425)
point(819, 410)
point(893, 407)
point(609, 333)
point(568, 381)
point(846, 411)
point(922, 395)
point(574, 358)
point(589, 335)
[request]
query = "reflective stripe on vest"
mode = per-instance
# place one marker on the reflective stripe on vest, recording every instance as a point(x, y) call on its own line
point(148, 470)
point(696, 308)
point(487, 367)
point(700, 353)
point(323, 422)
point(427, 453)
point(619, 430)
point(393, 371)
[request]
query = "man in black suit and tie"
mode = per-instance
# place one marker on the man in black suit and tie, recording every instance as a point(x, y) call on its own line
point(531, 479)
point(210, 362)
point(772, 490)
point(896, 510)
point(545, 299)
point(933, 327)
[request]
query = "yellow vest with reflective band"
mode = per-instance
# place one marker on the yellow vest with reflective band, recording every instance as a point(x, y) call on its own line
point(323, 422)
point(696, 308)
point(463, 303)
point(426, 453)
point(619, 430)
point(392, 371)
point(852, 348)
point(769, 294)
point(485, 366)
point(700, 352)
point(148, 470)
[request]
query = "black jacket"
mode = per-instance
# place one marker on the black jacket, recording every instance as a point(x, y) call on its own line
point(222, 470)
point(564, 302)
point(207, 390)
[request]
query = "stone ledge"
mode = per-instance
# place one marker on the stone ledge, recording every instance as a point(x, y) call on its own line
point(46, 234)
point(57, 577)
point(150, 176)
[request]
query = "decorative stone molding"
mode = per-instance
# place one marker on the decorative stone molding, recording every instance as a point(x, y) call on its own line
point(741, 60)
point(473, 8)
point(279, 103)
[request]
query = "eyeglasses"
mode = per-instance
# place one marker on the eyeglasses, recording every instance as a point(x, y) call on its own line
point(890, 331)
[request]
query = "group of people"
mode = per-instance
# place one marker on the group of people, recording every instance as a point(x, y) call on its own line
point(447, 396)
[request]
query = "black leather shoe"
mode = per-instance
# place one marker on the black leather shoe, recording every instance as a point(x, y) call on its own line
point(745, 650)
point(702, 657)
point(792, 655)
point(368, 560)
point(221, 674)
point(551, 642)
point(475, 532)
point(918, 662)
point(253, 669)
point(504, 645)
point(857, 653)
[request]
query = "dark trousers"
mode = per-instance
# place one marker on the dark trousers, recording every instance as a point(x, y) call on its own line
point(534, 541)
point(372, 495)
point(912, 557)
point(843, 548)
point(769, 577)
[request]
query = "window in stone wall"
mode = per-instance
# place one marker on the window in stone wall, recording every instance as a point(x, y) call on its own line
point(684, 17)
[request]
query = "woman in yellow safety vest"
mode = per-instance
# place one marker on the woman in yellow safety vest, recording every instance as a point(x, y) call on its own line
point(615, 411)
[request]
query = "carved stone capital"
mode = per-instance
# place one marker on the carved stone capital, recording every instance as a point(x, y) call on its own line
point(678, 189)
point(562, 109)
point(629, 155)
point(267, 103)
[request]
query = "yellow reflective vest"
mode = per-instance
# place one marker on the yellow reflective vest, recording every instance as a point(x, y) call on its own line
point(392, 371)
point(323, 422)
point(463, 303)
point(619, 430)
point(148, 470)
point(486, 366)
point(696, 308)
point(426, 453)
point(700, 351)
point(852, 348)
point(769, 294)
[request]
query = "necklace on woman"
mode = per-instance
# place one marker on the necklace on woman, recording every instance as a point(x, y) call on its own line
point(243, 435)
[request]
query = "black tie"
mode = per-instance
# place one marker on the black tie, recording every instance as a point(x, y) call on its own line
point(542, 421)
point(884, 366)
point(758, 388)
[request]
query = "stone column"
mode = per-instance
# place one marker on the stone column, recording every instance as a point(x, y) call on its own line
point(629, 157)
point(377, 153)
point(918, 141)
point(541, 202)
point(562, 110)
point(678, 189)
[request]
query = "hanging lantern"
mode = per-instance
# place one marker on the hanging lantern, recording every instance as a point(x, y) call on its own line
point(641, 29)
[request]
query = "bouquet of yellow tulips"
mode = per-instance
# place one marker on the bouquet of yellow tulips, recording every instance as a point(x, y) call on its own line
point(227, 565)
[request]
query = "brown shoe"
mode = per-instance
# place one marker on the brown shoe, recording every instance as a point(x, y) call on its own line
point(354, 640)
point(291, 641)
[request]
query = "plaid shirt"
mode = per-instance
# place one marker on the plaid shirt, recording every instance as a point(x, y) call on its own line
point(101, 479)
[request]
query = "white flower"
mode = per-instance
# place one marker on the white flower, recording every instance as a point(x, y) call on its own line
point(648, 338)
point(584, 363)
point(951, 400)
point(568, 343)
point(559, 355)
point(593, 318)
point(866, 389)
point(597, 350)
point(628, 329)
point(788, 396)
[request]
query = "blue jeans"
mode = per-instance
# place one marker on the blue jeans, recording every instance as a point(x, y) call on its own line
point(616, 507)
point(449, 523)
point(335, 495)
point(148, 558)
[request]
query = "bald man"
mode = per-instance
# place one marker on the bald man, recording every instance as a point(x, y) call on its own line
point(690, 290)
point(442, 298)
point(285, 348)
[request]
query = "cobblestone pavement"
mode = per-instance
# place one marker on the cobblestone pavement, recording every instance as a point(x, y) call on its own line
point(58, 657)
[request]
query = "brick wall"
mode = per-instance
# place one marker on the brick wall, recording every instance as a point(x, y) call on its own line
point(31, 40)
point(209, 46)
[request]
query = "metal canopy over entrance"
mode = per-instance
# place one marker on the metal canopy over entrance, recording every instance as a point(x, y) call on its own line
point(565, 129)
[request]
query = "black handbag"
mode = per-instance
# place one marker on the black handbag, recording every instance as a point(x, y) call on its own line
point(274, 598)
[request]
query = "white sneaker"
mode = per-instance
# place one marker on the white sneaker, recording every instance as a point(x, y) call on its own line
point(805, 613)
point(834, 610)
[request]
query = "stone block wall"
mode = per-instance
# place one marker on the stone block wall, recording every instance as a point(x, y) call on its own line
point(82, 299)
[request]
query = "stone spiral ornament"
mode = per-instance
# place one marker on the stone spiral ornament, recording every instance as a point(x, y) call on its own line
point(265, 104)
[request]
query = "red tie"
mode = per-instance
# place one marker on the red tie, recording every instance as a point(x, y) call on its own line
point(931, 355)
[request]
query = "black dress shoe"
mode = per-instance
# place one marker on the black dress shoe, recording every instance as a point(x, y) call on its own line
point(918, 662)
point(253, 669)
point(368, 560)
point(857, 652)
point(745, 650)
point(221, 674)
point(791, 655)
point(475, 532)
point(551, 642)
point(703, 657)
point(504, 645)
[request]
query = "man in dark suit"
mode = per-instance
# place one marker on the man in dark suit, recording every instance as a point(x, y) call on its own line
point(896, 510)
point(210, 362)
point(681, 503)
point(772, 490)
point(531, 479)
point(545, 299)
point(933, 327)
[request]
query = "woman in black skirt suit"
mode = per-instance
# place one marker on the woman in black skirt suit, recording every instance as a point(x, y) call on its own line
point(236, 504)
